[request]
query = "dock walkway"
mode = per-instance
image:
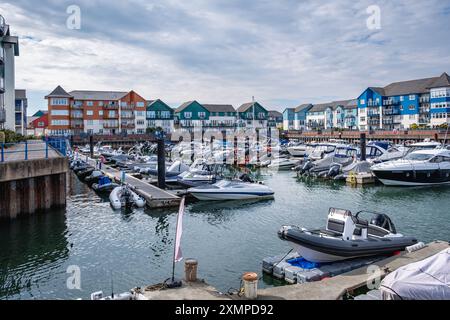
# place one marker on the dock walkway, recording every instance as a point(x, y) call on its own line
point(155, 197)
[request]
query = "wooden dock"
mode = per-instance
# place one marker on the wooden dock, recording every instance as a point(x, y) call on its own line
point(154, 196)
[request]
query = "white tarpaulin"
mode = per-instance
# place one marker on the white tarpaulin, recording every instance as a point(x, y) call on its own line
point(428, 279)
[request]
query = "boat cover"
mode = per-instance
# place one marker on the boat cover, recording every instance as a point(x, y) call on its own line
point(428, 279)
point(357, 167)
point(304, 264)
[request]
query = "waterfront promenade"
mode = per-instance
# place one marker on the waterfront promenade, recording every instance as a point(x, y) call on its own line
point(33, 150)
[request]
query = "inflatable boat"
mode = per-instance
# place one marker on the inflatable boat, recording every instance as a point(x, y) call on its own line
point(104, 185)
point(125, 197)
point(346, 236)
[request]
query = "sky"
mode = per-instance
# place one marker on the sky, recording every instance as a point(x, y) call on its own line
point(284, 53)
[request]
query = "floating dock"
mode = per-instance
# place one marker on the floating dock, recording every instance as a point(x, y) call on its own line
point(154, 196)
point(329, 288)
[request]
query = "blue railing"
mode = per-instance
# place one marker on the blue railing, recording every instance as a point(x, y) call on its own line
point(32, 149)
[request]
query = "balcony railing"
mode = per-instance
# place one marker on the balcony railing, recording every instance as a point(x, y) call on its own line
point(109, 116)
point(127, 116)
point(111, 106)
point(77, 125)
point(110, 125)
point(128, 126)
point(373, 104)
point(77, 115)
point(390, 102)
point(76, 106)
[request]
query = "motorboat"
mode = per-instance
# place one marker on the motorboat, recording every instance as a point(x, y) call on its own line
point(342, 157)
point(232, 190)
point(347, 236)
point(302, 150)
point(322, 151)
point(124, 197)
point(283, 164)
point(104, 185)
point(94, 177)
point(426, 145)
point(196, 179)
point(86, 172)
point(177, 168)
point(392, 153)
point(419, 168)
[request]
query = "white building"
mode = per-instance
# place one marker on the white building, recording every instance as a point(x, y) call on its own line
point(9, 49)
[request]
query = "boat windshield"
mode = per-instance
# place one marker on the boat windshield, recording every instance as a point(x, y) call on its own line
point(419, 156)
point(325, 148)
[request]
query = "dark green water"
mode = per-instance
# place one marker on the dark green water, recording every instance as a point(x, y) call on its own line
point(228, 238)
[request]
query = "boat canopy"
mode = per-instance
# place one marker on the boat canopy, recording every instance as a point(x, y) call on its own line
point(424, 280)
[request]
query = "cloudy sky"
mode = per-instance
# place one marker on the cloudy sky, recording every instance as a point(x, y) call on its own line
point(283, 52)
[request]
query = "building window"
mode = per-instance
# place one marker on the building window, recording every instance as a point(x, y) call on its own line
point(123, 104)
point(188, 115)
point(100, 104)
point(111, 114)
point(59, 102)
point(41, 124)
point(140, 122)
point(100, 113)
point(140, 104)
point(412, 117)
point(60, 122)
point(90, 103)
point(90, 122)
point(140, 113)
point(89, 113)
point(401, 98)
point(60, 113)
point(151, 114)
point(202, 114)
point(412, 107)
point(165, 114)
point(412, 97)
point(363, 119)
point(362, 101)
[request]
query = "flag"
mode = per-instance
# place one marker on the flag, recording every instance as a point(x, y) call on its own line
point(178, 254)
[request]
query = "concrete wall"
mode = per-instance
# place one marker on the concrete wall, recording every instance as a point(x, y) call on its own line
point(28, 187)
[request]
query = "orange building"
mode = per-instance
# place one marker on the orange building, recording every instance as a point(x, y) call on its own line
point(95, 112)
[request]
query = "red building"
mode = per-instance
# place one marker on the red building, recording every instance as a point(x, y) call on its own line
point(38, 127)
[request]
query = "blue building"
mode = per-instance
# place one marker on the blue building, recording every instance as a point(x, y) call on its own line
point(288, 119)
point(423, 102)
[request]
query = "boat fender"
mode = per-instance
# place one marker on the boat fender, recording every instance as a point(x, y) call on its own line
point(415, 247)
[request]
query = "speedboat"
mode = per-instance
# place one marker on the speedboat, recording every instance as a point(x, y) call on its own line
point(419, 168)
point(302, 150)
point(392, 153)
point(177, 168)
point(330, 166)
point(125, 197)
point(283, 164)
point(196, 179)
point(232, 190)
point(346, 236)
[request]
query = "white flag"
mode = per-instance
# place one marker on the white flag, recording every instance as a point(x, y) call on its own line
point(178, 253)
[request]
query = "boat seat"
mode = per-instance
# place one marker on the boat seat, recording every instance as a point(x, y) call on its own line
point(330, 233)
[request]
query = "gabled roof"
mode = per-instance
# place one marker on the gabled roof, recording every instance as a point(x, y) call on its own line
point(185, 105)
point(246, 106)
point(442, 81)
point(219, 107)
point(152, 102)
point(352, 104)
point(378, 90)
point(275, 114)
point(303, 107)
point(40, 113)
point(333, 105)
point(59, 92)
point(98, 95)
point(408, 87)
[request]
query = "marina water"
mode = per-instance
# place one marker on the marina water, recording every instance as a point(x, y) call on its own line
point(121, 250)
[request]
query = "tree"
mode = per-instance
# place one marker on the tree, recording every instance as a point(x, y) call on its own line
point(414, 126)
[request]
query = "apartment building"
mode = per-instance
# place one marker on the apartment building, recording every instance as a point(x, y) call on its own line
point(252, 115)
point(332, 115)
point(275, 119)
point(192, 115)
point(160, 115)
point(96, 112)
point(399, 105)
point(9, 49)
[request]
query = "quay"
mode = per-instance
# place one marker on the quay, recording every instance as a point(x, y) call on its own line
point(154, 196)
point(328, 289)
point(33, 178)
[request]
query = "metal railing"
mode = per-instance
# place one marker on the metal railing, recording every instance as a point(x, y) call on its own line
point(29, 149)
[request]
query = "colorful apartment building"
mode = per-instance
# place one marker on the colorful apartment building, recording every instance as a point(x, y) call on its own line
point(192, 115)
point(400, 105)
point(332, 115)
point(160, 116)
point(275, 119)
point(252, 115)
point(96, 112)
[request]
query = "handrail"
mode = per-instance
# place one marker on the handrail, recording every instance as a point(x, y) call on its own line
point(26, 148)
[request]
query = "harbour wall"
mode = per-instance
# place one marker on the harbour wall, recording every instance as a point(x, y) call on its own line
point(29, 187)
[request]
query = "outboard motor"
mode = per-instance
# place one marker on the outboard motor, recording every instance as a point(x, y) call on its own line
point(334, 171)
point(306, 167)
point(383, 221)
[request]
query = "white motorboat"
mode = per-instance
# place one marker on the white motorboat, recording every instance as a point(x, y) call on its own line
point(283, 164)
point(392, 153)
point(419, 168)
point(124, 197)
point(232, 190)
point(302, 150)
point(346, 236)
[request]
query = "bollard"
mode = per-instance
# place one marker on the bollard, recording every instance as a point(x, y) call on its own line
point(250, 285)
point(363, 142)
point(190, 270)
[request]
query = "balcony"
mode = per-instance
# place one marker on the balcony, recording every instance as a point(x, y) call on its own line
point(391, 103)
point(424, 110)
point(110, 125)
point(111, 106)
point(373, 115)
point(110, 116)
point(127, 107)
point(77, 125)
point(128, 126)
point(76, 106)
point(127, 116)
point(76, 116)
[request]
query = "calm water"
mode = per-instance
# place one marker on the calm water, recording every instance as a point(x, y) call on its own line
point(135, 248)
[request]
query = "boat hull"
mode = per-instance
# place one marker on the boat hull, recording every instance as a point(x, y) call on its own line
point(220, 196)
point(413, 178)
